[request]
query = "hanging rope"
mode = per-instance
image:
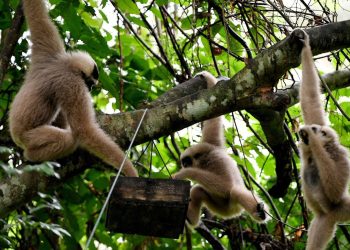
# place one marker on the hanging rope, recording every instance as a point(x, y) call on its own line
point(114, 183)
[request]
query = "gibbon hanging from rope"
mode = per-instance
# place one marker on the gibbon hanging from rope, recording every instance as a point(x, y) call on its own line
point(220, 186)
point(325, 165)
point(52, 113)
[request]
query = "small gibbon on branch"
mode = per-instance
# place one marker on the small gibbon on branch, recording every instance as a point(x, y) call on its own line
point(220, 186)
point(325, 165)
point(52, 113)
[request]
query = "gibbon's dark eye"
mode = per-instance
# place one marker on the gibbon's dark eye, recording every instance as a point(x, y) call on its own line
point(324, 133)
point(186, 162)
point(95, 73)
point(196, 156)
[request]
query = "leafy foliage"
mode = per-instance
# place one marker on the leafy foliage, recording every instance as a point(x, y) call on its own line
point(143, 48)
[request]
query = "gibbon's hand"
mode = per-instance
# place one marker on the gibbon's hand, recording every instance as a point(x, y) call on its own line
point(302, 36)
point(304, 135)
point(310, 134)
point(178, 176)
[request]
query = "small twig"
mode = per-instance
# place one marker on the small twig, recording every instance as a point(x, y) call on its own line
point(10, 41)
point(220, 13)
point(172, 154)
point(345, 232)
point(160, 46)
point(143, 43)
point(281, 13)
point(176, 47)
point(329, 92)
point(246, 120)
point(274, 208)
point(300, 196)
point(121, 80)
point(188, 233)
point(205, 233)
point(176, 147)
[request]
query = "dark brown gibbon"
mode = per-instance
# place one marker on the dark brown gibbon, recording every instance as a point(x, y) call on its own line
point(52, 113)
point(325, 166)
point(220, 186)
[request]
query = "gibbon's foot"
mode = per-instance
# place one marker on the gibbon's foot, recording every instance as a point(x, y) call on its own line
point(304, 136)
point(260, 211)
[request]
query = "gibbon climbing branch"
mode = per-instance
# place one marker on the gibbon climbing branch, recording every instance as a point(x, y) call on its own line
point(240, 92)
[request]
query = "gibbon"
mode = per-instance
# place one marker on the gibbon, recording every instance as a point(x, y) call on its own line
point(220, 185)
point(325, 166)
point(52, 113)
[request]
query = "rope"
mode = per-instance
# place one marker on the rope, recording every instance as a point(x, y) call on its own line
point(114, 182)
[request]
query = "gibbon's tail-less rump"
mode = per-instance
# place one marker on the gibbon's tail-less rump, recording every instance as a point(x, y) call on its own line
point(220, 186)
point(52, 113)
point(325, 165)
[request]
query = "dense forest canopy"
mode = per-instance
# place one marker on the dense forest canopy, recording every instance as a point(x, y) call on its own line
point(148, 52)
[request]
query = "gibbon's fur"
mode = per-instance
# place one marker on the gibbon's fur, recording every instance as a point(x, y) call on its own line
point(220, 185)
point(52, 113)
point(325, 166)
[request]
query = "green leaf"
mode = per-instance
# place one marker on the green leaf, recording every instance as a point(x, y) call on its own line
point(47, 168)
point(91, 21)
point(127, 6)
point(55, 2)
point(54, 228)
point(4, 242)
point(72, 21)
point(5, 150)
point(162, 2)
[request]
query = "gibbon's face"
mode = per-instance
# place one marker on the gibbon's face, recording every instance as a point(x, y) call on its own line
point(324, 133)
point(196, 156)
point(91, 78)
point(83, 63)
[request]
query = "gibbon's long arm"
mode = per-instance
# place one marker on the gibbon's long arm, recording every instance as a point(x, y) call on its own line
point(44, 34)
point(212, 131)
point(212, 182)
point(310, 92)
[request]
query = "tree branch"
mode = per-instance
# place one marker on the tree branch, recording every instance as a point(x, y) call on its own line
point(227, 96)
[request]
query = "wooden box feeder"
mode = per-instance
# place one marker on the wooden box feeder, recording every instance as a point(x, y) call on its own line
point(153, 207)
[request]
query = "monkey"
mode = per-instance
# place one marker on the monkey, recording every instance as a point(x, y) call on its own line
point(325, 165)
point(220, 186)
point(52, 113)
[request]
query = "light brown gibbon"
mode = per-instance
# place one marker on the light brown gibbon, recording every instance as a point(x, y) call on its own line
point(325, 166)
point(52, 113)
point(220, 186)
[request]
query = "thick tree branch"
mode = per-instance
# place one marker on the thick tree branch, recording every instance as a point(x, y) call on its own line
point(236, 94)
